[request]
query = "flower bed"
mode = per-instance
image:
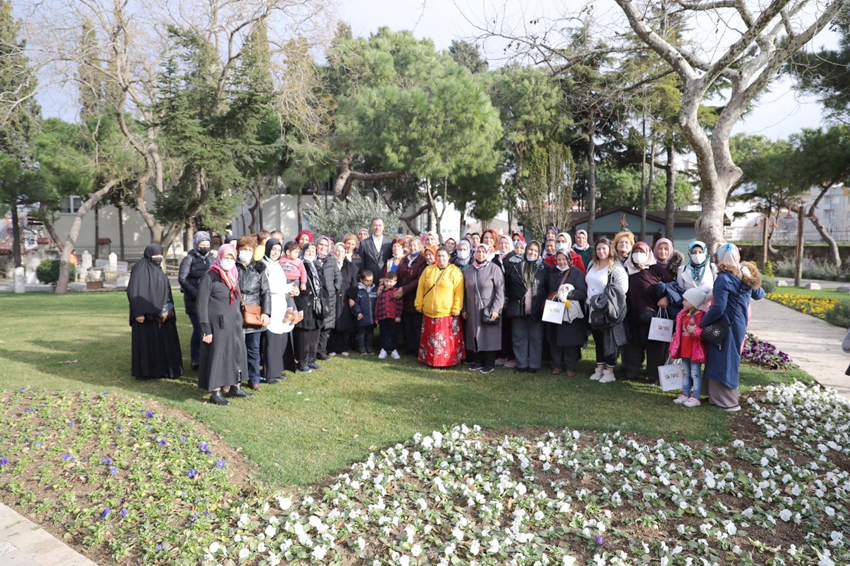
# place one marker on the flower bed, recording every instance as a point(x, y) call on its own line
point(777, 494)
point(814, 306)
point(766, 355)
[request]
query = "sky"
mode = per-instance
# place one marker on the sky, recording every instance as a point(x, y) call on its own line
point(780, 112)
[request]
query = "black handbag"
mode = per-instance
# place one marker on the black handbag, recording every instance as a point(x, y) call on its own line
point(715, 333)
point(486, 314)
point(514, 308)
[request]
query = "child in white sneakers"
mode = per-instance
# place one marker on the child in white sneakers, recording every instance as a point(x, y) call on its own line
point(689, 347)
point(388, 314)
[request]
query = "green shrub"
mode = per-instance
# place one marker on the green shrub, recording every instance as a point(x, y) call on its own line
point(784, 268)
point(768, 284)
point(768, 269)
point(839, 315)
point(48, 271)
point(350, 216)
point(819, 270)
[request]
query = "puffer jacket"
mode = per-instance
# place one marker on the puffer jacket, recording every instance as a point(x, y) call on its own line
point(254, 287)
point(697, 345)
point(192, 268)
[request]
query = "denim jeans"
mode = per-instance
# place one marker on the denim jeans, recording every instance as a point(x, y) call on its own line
point(692, 379)
point(252, 347)
point(195, 342)
point(388, 327)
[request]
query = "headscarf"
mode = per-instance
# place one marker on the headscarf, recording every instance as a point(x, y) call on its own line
point(148, 289)
point(569, 241)
point(510, 242)
point(655, 251)
point(310, 266)
point(475, 262)
point(339, 262)
point(230, 278)
point(581, 248)
point(529, 268)
point(728, 253)
point(330, 246)
point(461, 263)
point(230, 238)
point(518, 235)
point(201, 236)
point(566, 254)
point(650, 258)
point(270, 243)
point(425, 236)
point(433, 250)
point(555, 228)
point(301, 233)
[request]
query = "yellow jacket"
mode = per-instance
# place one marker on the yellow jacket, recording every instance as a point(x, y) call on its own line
point(446, 297)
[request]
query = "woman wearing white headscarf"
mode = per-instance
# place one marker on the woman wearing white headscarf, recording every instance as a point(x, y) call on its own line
point(737, 283)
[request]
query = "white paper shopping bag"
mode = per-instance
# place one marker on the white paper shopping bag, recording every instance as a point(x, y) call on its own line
point(671, 376)
point(553, 311)
point(661, 329)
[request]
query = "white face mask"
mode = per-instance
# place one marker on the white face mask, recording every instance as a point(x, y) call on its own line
point(245, 256)
point(463, 253)
point(309, 258)
point(561, 247)
point(697, 259)
point(228, 264)
point(639, 258)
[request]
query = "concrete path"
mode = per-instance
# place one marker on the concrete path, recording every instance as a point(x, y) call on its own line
point(23, 543)
point(813, 344)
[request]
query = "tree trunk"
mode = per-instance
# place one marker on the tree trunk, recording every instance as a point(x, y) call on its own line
point(16, 234)
point(97, 231)
point(834, 256)
point(299, 210)
point(73, 233)
point(591, 187)
point(798, 266)
point(121, 231)
point(644, 191)
point(670, 210)
point(765, 241)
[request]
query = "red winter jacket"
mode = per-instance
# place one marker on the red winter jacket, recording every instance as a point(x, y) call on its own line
point(575, 260)
point(698, 348)
point(388, 306)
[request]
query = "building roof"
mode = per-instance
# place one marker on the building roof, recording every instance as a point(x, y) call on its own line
point(682, 218)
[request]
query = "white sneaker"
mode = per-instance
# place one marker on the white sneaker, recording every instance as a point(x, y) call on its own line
point(691, 402)
point(680, 399)
point(395, 355)
point(607, 376)
point(382, 355)
point(597, 375)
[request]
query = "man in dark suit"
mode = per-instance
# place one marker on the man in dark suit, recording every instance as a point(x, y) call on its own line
point(376, 249)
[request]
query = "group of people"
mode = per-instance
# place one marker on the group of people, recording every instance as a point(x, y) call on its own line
point(261, 306)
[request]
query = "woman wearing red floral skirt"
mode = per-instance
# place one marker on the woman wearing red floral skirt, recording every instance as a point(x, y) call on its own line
point(439, 297)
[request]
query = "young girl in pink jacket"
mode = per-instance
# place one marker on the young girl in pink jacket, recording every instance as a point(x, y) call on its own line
point(689, 347)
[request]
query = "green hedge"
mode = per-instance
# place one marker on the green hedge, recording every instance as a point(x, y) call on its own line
point(48, 271)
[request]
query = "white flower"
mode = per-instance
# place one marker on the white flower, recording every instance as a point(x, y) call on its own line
point(785, 515)
point(568, 561)
point(214, 546)
point(270, 531)
point(361, 544)
point(404, 560)
point(319, 552)
point(237, 538)
point(261, 547)
point(450, 549)
point(829, 510)
point(494, 546)
point(244, 554)
point(416, 550)
point(274, 559)
point(474, 548)
point(731, 528)
point(457, 533)
point(284, 502)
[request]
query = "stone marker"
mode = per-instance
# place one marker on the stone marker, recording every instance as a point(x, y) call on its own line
point(20, 280)
point(122, 281)
point(812, 286)
point(842, 289)
point(781, 283)
point(113, 262)
point(86, 261)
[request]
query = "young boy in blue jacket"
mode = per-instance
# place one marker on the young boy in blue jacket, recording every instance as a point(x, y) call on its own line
point(363, 309)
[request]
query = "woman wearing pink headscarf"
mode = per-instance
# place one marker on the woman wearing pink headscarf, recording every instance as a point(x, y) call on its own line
point(223, 359)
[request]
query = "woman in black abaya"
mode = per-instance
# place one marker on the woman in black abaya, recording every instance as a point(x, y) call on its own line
point(156, 345)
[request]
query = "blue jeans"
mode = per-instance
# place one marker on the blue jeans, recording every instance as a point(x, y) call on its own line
point(252, 345)
point(195, 342)
point(693, 378)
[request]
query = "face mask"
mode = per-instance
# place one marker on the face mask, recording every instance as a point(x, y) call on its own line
point(529, 259)
point(561, 247)
point(245, 256)
point(639, 258)
point(562, 268)
point(203, 250)
point(697, 258)
point(156, 261)
point(228, 264)
point(463, 253)
point(309, 258)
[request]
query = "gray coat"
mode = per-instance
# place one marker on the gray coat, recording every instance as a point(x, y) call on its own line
point(485, 288)
point(333, 287)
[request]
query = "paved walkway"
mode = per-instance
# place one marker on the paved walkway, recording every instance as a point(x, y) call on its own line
point(813, 344)
point(23, 543)
point(823, 284)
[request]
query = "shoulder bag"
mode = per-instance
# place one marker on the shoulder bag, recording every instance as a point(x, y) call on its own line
point(715, 333)
point(486, 314)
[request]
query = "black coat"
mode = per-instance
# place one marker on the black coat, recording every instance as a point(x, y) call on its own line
point(572, 333)
point(224, 361)
point(515, 286)
point(333, 287)
point(348, 278)
point(192, 268)
point(374, 259)
point(254, 286)
point(408, 280)
point(308, 299)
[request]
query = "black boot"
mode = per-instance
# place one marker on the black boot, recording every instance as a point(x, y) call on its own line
point(216, 398)
point(236, 391)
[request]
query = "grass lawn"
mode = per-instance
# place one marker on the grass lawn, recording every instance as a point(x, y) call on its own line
point(312, 426)
point(817, 293)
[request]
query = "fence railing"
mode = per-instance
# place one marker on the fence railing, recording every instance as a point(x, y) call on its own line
point(756, 234)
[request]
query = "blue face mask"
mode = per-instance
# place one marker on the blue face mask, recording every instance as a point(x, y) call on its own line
point(529, 259)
